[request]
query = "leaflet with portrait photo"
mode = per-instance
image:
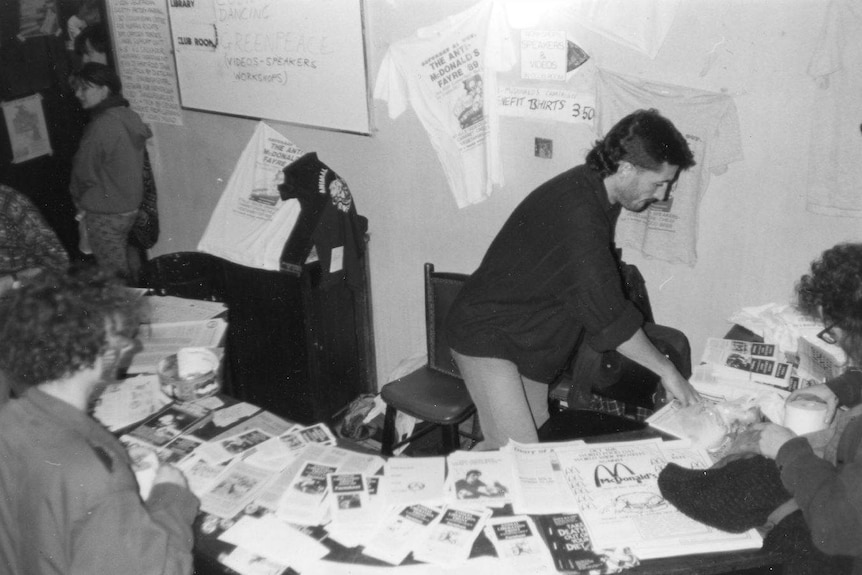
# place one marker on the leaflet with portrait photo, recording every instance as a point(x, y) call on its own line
point(483, 478)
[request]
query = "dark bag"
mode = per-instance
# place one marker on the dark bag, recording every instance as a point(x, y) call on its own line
point(145, 232)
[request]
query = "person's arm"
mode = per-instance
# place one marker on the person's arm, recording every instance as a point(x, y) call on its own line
point(121, 532)
point(640, 349)
point(829, 497)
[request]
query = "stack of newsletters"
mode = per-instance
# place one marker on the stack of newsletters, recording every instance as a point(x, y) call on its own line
point(286, 496)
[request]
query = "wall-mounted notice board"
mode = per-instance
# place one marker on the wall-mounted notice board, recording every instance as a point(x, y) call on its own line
point(299, 61)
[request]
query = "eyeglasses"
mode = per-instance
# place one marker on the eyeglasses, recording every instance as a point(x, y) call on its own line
point(826, 334)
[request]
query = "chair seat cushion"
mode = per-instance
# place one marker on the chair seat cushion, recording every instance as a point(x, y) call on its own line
point(430, 396)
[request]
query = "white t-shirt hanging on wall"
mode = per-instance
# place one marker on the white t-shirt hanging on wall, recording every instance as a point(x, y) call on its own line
point(641, 25)
point(835, 158)
point(710, 124)
point(251, 223)
point(447, 74)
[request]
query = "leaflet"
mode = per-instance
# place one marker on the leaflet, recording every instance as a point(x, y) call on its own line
point(518, 542)
point(540, 487)
point(484, 478)
point(236, 487)
point(303, 501)
point(449, 540)
point(399, 531)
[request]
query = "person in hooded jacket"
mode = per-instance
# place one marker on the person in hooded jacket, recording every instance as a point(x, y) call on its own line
point(107, 171)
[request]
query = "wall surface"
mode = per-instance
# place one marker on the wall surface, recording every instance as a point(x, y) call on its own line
point(755, 237)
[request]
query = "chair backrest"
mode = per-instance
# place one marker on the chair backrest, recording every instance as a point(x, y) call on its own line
point(194, 275)
point(440, 291)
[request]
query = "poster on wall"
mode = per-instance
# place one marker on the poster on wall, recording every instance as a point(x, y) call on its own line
point(143, 51)
point(28, 133)
point(38, 18)
point(293, 60)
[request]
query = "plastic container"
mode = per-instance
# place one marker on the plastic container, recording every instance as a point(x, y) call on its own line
point(191, 373)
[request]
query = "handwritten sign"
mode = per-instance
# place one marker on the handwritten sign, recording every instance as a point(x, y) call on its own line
point(543, 55)
point(292, 60)
point(144, 59)
point(568, 106)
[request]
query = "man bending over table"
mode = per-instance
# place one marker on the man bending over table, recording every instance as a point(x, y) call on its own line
point(69, 501)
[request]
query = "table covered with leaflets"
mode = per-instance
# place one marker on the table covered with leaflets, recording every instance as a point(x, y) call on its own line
point(278, 497)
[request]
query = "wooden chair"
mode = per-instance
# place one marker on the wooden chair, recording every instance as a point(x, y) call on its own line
point(434, 393)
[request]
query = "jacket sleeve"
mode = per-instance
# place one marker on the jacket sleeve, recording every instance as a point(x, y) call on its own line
point(99, 138)
point(120, 532)
point(830, 499)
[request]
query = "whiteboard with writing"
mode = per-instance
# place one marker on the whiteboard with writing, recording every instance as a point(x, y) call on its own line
point(299, 61)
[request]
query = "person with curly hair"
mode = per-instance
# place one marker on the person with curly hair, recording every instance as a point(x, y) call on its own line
point(810, 501)
point(69, 500)
point(551, 278)
point(829, 494)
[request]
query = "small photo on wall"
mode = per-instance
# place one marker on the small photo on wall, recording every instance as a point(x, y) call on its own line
point(544, 148)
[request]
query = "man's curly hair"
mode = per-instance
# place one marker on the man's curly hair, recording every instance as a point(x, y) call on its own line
point(645, 139)
point(832, 292)
point(55, 325)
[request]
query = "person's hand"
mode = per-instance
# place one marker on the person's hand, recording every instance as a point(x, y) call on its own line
point(170, 474)
point(761, 438)
point(821, 392)
point(679, 388)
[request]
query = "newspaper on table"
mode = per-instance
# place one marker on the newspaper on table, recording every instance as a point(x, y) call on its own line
point(450, 538)
point(277, 453)
point(165, 425)
point(343, 460)
point(234, 489)
point(483, 478)
point(539, 484)
point(356, 532)
point(231, 420)
point(129, 401)
point(245, 562)
point(749, 361)
point(303, 502)
point(274, 540)
point(414, 480)
point(399, 531)
point(223, 450)
point(518, 542)
point(348, 497)
point(200, 474)
point(180, 449)
point(617, 491)
point(160, 340)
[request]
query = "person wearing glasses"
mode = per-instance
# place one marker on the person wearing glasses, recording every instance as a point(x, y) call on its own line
point(821, 525)
point(69, 500)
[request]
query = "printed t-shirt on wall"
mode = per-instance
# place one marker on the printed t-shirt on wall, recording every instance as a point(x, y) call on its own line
point(251, 223)
point(834, 166)
point(447, 73)
point(709, 121)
